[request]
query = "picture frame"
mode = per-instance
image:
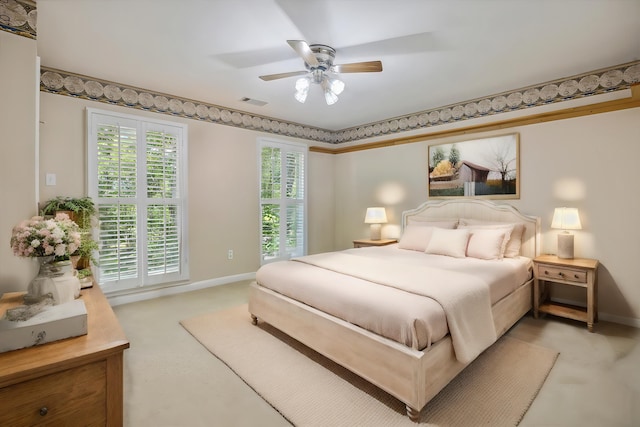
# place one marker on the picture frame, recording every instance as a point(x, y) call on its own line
point(486, 167)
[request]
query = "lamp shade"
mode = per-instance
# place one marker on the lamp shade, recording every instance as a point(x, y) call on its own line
point(375, 216)
point(566, 219)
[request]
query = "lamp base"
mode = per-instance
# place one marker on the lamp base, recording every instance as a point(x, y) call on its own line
point(565, 245)
point(376, 231)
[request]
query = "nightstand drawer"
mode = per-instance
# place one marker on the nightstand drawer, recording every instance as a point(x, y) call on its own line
point(548, 272)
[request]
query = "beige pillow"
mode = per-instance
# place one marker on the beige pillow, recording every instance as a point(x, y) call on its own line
point(448, 242)
point(415, 237)
point(514, 243)
point(487, 243)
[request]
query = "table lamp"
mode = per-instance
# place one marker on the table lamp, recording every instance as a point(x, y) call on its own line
point(565, 219)
point(376, 217)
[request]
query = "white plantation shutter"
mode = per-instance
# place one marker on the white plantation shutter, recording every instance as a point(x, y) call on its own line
point(282, 200)
point(295, 202)
point(116, 187)
point(163, 209)
point(163, 239)
point(118, 252)
point(137, 170)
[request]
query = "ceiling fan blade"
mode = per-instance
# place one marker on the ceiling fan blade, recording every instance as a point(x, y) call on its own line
point(358, 67)
point(269, 77)
point(304, 51)
point(312, 18)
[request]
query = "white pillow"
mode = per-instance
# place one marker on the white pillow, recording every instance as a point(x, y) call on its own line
point(415, 237)
point(506, 235)
point(514, 243)
point(448, 242)
point(487, 243)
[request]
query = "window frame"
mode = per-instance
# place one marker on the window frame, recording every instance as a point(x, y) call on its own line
point(285, 147)
point(142, 200)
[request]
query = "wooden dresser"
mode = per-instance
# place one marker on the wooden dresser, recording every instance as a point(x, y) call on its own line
point(76, 381)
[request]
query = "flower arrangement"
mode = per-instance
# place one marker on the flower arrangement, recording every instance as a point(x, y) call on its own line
point(83, 212)
point(39, 237)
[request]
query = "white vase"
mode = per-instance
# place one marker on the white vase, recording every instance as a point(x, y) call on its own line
point(59, 279)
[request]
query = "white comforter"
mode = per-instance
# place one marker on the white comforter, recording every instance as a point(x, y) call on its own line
point(408, 296)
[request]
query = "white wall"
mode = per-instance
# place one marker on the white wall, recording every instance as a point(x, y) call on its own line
point(321, 203)
point(222, 179)
point(586, 162)
point(222, 174)
point(18, 95)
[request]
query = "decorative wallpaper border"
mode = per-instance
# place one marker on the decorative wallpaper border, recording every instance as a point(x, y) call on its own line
point(593, 83)
point(580, 86)
point(75, 85)
point(19, 17)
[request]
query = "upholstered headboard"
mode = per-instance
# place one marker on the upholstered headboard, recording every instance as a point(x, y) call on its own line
point(481, 210)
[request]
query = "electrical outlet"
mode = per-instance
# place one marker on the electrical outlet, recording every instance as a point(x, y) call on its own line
point(230, 254)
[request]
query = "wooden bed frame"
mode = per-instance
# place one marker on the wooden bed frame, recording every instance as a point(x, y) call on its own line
point(412, 376)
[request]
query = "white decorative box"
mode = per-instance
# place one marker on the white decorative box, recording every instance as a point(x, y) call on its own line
point(53, 323)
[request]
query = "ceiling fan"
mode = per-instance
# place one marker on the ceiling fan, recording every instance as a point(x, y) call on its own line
point(318, 61)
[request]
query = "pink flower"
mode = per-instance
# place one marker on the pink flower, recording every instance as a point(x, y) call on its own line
point(38, 237)
point(61, 249)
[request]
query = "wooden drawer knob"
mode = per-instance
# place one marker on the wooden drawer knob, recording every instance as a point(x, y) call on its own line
point(44, 411)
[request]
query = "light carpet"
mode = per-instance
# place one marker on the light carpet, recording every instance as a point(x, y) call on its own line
point(310, 390)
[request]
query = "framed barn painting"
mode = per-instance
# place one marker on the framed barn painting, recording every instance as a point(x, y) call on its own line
point(485, 168)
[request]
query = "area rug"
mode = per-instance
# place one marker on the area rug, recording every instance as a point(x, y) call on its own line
point(310, 390)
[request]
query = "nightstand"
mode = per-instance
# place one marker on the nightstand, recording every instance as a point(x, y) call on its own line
point(363, 243)
point(581, 272)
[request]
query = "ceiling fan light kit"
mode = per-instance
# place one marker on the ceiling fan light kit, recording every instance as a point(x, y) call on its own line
point(331, 86)
point(330, 97)
point(318, 60)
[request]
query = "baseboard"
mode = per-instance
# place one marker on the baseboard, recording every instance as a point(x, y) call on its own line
point(179, 289)
point(143, 295)
point(629, 321)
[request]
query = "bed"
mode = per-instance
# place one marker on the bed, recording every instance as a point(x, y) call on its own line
point(332, 302)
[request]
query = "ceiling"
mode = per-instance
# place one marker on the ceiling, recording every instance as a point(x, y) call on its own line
point(434, 52)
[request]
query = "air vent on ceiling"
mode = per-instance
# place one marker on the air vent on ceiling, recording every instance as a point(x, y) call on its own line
point(253, 101)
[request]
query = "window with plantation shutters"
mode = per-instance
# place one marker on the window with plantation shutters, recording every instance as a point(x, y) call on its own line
point(137, 180)
point(282, 200)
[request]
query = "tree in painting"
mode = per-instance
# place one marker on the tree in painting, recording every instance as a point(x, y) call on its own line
point(503, 162)
point(437, 156)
